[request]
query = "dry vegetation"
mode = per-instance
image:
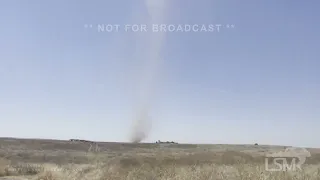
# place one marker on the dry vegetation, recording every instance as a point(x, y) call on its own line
point(61, 160)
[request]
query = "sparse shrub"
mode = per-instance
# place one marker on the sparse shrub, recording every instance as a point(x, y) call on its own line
point(47, 176)
point(4, 164)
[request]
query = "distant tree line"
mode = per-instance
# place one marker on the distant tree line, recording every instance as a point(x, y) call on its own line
point(81, 140)
point(166, 142)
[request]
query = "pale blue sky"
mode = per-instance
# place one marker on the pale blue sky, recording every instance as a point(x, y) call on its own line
point(258, 82)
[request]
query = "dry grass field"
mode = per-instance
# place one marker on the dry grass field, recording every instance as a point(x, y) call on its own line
point(65, 160)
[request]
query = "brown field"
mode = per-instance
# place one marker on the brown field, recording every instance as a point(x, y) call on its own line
point(64, 160)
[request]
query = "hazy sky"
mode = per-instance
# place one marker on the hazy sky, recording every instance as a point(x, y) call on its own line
point(256, 82)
